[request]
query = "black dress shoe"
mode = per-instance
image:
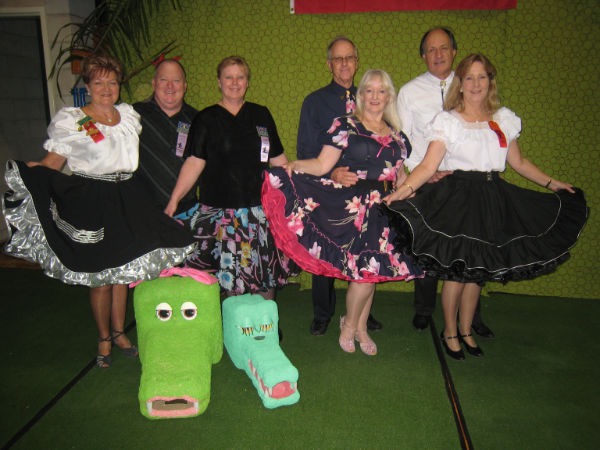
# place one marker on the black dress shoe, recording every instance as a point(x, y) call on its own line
point(318, 327)
point(373, 324)
point(474, 351)
point(482, 330)
point(420, 322)
point(458, 355)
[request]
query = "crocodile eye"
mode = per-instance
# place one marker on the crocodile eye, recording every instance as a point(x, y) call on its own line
point(189, 311)
point(247, 331)
point(266, 327)
point(164, 311)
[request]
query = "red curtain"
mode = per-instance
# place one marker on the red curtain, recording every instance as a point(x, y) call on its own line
point(345, 6)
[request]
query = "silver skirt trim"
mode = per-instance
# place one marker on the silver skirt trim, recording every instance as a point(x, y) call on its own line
point(81, 236)
point(29, 242)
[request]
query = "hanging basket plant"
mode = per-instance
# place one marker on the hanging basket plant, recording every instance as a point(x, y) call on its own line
point(77, 57)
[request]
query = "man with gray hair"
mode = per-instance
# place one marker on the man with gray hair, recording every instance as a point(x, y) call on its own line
point(318, 111)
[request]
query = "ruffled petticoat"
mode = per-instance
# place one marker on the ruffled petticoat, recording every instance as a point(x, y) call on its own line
point(476, 227)
point(89, 231)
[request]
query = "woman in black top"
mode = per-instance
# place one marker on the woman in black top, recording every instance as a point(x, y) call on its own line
point(230, 146)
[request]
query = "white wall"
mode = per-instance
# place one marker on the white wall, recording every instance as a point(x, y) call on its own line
point(23, 106)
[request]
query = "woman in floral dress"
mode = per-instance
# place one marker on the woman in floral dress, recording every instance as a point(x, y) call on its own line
point(342, 232)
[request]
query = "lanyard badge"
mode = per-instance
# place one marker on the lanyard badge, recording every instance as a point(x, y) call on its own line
point(265, 145)
point(183, 129)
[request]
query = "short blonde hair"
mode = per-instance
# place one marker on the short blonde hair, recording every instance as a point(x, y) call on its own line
point(233, 61)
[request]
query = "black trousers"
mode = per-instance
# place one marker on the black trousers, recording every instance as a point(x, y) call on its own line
point(425, 295)
point(323, 295)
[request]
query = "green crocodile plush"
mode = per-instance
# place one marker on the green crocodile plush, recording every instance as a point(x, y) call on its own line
point(250, 325)
point(180, 336)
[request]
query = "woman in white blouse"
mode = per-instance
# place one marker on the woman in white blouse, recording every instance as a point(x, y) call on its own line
point(472, 226)
point(93, 227)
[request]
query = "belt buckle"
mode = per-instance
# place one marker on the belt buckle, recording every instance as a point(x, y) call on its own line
point(488, 176)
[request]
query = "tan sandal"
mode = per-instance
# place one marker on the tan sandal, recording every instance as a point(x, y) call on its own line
point(346, 344)
point(367, 346)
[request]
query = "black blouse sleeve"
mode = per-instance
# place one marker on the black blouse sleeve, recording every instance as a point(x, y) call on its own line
point(197, 139)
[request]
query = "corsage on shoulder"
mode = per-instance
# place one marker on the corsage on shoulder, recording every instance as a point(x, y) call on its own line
point(89, 125)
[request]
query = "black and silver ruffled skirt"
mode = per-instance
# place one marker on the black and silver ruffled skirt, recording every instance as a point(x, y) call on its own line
point(476, 227)
point(88, 230)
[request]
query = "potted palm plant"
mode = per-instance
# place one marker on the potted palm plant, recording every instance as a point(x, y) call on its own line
point(119, 28)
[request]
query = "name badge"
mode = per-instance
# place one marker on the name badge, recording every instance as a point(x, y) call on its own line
point(265, 145)
point(183, 129)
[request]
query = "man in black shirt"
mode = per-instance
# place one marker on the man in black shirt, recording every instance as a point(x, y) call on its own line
point(166, 120)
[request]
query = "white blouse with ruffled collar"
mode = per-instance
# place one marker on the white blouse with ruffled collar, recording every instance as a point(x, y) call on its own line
point(474, 146)
point(117, 152)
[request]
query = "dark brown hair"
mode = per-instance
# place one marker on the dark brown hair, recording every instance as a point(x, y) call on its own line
point(446, 30)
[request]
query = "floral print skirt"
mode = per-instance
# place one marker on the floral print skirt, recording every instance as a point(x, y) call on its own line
point(335, 231)
point(236, 244)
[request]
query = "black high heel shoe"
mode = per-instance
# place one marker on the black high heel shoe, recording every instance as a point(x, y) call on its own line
point(129, 352)
point(104, 361)
point(458, 355)
point(473, 351)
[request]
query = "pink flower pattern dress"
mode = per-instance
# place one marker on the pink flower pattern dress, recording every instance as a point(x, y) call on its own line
point(337, 231)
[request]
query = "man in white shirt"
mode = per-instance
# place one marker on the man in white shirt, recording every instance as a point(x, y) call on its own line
point(419, 101)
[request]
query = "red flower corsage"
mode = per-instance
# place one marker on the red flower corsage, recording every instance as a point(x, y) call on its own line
point(88, 124)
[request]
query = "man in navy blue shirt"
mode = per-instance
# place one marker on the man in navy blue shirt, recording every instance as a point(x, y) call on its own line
point(318, 111)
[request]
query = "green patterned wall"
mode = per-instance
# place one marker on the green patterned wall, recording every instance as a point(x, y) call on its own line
point(546, 52)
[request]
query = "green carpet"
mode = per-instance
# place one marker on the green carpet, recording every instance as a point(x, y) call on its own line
point(536, 387)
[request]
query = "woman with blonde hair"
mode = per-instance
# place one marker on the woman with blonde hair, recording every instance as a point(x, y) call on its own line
point(230, 146)
point(342, 232)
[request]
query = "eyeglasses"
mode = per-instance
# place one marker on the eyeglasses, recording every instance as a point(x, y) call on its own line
point(344, 59)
